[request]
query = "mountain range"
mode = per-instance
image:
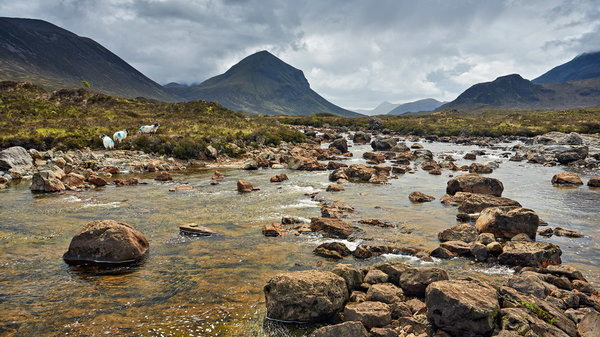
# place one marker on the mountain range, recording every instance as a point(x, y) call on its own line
point(423, 105)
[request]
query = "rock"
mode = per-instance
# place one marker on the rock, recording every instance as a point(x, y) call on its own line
point(375, 124)
point(574, 153)
point(340, 144)
point(521, 237)
point(245, 186)
point(414, 281)
point(462, 308)
point(14, 157)
point(524, 323)
point(352, 276)
point(97, 180)
point(106, 241)
point(334, 165)
point(375, 276)
point(194, 229)
point(73, 180)
point(181, 188)
point(393, 270)
point(462, 232)
point(385, 144)
point(457, 247)
point(332, 226)
point(470, 156)
point(589, 325)
point(305, 296)
point(126, 181)
point(495, 248)
point(211, 153)
point(110, 169)
point(350, 329)
point(594, 182)
point(480, 168)
point(361, 137)
point(485, 238)
point(533, 254)
point(475, 203)
point(548, 232)
point(163, 176)
point(279, 178)
point(383, 332)
point(47, 181)
point(442, 253)
point(385, 292)
point(400, 148)
point(506, 222)
point(376, 222)
point(272, 230)
point(566, 178)
point(480, 252)
point(290, 220)
point(420, 197)
point(332, 250)
point(473, 183)
point(531, 284)
point(558, 231)
point(335, 188)
point(370, 314)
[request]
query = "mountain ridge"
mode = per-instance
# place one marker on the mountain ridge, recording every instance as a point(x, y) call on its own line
point(582, 67)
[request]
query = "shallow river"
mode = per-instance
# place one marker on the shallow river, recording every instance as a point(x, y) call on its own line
point(213, 286)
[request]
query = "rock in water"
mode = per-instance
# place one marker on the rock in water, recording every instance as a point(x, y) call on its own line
point(594, 182)
point(475, 203)
point(340, 144)
point(332, 226)
point(506, 222)
point(163, 176)
point(420, 197)
point(305, 296)
point(462, 308)
point(106, 241)
point(474, 183)
point(244, 186)
point(566, 178)
point(462, 232)
point(194, 229)
point(532, 254)
point(14, 157)
point(47, 181)
point(279, 178)
point(350, 329)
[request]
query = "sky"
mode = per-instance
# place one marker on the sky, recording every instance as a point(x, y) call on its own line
point(355, 53)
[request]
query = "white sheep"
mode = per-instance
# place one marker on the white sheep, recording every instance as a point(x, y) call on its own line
point(107, 142)
point(149, 128)
point(120, 135)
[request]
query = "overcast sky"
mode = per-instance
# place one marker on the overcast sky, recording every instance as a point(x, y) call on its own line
point(354, 53)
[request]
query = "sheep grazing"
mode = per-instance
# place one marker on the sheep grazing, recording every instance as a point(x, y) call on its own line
point(109, 144)
point(120, 135)
point(149, 128)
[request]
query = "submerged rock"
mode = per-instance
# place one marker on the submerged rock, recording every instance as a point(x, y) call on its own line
point(106, 242)
point(305, 296)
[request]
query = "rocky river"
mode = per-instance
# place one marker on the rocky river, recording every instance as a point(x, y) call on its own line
point(213, 285)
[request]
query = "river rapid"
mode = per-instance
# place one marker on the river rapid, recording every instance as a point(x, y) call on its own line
point(212, 286)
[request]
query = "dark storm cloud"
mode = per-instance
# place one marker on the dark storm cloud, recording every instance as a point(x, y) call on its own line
point(356, 53)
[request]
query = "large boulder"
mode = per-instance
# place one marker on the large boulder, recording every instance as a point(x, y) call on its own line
point(475, 203)
point(361, 137)
point(589, 325)
point(566, 178)
point(14, 157)
point(350, 274)
point(305, 296)
point(106, 241)
point(474, 183)
point(48, 181)
point(462, 308)
point(532, 254)
point(385, 144)
point(332, 226)
point(370, 314)
point(353, 329)
point(574, 153)
point(506, 222)
point(461, 232)
point(414, 281)
point(340, 144)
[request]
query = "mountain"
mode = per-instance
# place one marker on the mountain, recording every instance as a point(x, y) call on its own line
point(381, 109)
point(427, 104)
point(515, 92)
point(582, 67)
point(263, 84)
point(40, 52)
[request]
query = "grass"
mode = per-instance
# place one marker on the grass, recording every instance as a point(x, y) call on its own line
point(487, 122)
point(71, 119)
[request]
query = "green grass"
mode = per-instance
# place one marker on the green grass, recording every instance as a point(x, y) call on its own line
point(71, 119)
point(491, 122)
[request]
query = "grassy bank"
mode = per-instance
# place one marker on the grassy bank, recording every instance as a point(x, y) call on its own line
point(473, 123)
point(69, 119)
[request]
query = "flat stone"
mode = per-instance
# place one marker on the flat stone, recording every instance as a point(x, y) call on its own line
point(370, 314)
point(196, 229)
point(533, 254)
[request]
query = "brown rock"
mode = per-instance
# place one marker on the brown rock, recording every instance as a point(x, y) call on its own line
point(566, 178)
point(385, 292)
point(47, 181)
point(332, 226)
point(457, 247)
point(594, 182)
point(335, 188)
point(350, 329)
point(589, 325)
point(558, 231)
point(163, 176)
point(334, 165)
point(335, 250)
point(420, 197)
point(73, 179)
point(126, 181)
point(506, 222)
point(475, 203)
point(376, 222)
point(471, 182)
point(533, 254)
point(352, 276)
point(470, 156)
point(195, 229)
point(97, 180)
point(370, 314)
point(442, 253)
point(181, 188)
point(414, 281)
point(110, 169)
point(279, 178)
point(480, 168)
point(461, 232)
point(244, 186)
point(272, 230)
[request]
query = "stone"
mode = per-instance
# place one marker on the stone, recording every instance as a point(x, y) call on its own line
point(480, 168)
point(181, 188)
point(361, 138)
point(558, 231)
point(470, 156)
point(414, 281)
point(272, 230)
point(47, 181)
point(334, 165)
point(352, 276)
point(485, 238)
point(350, 329)
point(332, 226)
point(594, 182)
point(328, 248)
point(524, 323)
point(385, 292)
point(110, 169)
point(475, 203)
point(442, 253)
point(495, 248)
point(533, 254)
point(480, 252)
point(420, 197)
point(340, 144)
point(385, 144)
point(461, 232)
point(73, 179)
point(195, 229)
point(211, 153)
point(14, 157)
point(462, 308)
point(393, 270)
point(382, 332)
point(279, 178)
point(566, 178)
point(163, 176)
point(506, 222)
point(106, 241)
point(376, 222)
point(589, 325)
point(457, 247)
point(375, 276)
point(474, 183)
point(335, 188)
point(305, 296)
point(126, 181)
point(521, 237)
point(97, 180)
point(370, 314)
point(245, 186)
point(528, 283)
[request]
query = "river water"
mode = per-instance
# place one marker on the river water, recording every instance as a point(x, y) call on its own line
point(212, 286)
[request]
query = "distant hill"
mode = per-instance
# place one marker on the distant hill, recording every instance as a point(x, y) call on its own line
point(427, 104)
point(382, 109)
point(515, 92)
point(40, 52)
point(262, 84)
point(582, 67)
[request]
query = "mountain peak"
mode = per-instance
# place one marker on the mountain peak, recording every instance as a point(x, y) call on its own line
point(583, 66)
